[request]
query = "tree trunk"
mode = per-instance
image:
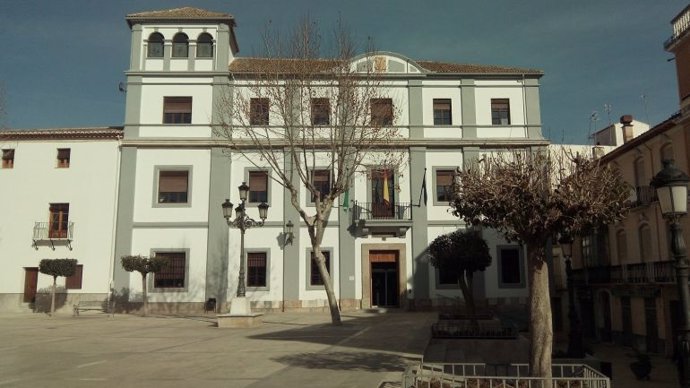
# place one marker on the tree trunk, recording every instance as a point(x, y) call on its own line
point(540, 328)
point(466, 287)
point(145, 296)
point(328, 286)
point(52, 297)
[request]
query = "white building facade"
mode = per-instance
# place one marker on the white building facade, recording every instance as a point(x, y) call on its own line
point(58, 201)
point(174, 172)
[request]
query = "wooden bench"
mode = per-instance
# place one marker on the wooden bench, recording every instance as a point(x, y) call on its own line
point(95, 305)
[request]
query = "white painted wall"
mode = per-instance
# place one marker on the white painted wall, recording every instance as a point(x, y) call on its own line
point(89, 185)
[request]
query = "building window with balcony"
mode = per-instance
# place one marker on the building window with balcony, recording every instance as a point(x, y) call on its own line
point(442, 112)
point(74, 282)
point(8, 158)
point(173, 186)
point(443, 186)
point(645, 241)
point(500, 111)
point(511, 267)
point(154, 48)
point(258, 186)
point(321, 179)
point(258, 111)
point(320, 111)
point(58, 225)
point(204, 46)
point(382, 193)
point(180, 45)
point(381, 112)
point(177, 110)
point(174, 274)
point(257, 269)
point(315, 278)
point(63, 157)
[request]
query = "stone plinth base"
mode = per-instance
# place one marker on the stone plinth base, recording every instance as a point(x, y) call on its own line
point(239, 321)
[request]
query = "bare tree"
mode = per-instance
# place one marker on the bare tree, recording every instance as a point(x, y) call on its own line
point(301, 110)
point(529, 197)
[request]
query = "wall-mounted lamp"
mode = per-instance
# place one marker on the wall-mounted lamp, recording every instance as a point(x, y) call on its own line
point(289, 236)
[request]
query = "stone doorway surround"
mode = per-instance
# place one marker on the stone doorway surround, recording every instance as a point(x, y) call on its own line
point(366, 272)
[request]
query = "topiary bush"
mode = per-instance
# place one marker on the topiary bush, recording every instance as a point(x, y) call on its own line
point(55, 268)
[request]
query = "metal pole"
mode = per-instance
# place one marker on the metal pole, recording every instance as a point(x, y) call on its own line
point(241, 289)
point(575, 345)
point(680, 256)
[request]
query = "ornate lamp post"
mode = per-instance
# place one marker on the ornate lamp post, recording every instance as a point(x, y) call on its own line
point(575, 345)
point(242, 222)
point(671, 186)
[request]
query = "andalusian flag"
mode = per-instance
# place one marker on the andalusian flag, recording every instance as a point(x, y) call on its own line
point(346, 199)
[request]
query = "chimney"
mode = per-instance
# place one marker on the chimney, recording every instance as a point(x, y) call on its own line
point(598, 151)
point(626, 121)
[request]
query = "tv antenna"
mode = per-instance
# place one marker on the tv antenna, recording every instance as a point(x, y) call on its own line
point(607, 109)
point(593, 118)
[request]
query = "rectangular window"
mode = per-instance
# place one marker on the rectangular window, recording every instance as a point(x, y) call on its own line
point(314, 274)
point(63, 155)
point(258, 186)
point(383, 193)
point(173, 274)
point(74, 282)
point(59, 220)
point(500, 111)
point(257, 264)
point(177, 110)
point(320, 111)
point(510, 267)
point(173, 186)
point(258, 111)
point(442, 114)
point(447, 277)
point(444, 185)
point(322, 183)
point(8, 158)
point(381, 111)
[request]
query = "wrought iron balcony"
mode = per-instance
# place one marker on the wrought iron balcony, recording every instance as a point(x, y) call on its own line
point(644, 195)
point(657, 272)
point(382, 218)
point(45, 234)
point(681, 24)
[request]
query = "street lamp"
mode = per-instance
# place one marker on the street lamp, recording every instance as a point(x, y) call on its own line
point(671, 186)
point(575, 345)
point(243, 222)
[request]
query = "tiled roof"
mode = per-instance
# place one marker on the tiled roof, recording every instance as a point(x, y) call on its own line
point(63, 133)
point(463, 68)
point(184, 13)
point(262, 65)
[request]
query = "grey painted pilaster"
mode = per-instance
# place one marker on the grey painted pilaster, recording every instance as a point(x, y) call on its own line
point(167, 54)
point(470, 156)
point(217, 244)
point(222, 93)
point(533, 113)
point(191, 56)
point(420, 239)
point(416, 109)
point(346, 251)
point(469, 109)
point(135, 54)
point(133, 107)
point(125, 216)
point(222, 48)
point(291, 252)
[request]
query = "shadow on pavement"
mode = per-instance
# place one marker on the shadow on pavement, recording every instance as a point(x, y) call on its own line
point(363, 361)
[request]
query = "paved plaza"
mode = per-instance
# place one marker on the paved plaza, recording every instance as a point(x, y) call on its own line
point(288, 350)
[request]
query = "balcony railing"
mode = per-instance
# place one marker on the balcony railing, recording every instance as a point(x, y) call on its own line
point(644, 195)
point(680, 23)
point(62, 234)
point(381, 211)
point(637, 273)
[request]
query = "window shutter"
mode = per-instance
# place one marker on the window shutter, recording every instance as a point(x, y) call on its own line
point(173, 181)
point(444, 178)
point(178, 104)
point(441, 104)
point(258, 180)
point(8, 154)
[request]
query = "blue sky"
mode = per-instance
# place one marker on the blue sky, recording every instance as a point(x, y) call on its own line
point(62, 60)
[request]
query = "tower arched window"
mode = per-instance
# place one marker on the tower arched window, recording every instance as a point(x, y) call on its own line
point(180, 45)
point(155, 46)
point(204, 46)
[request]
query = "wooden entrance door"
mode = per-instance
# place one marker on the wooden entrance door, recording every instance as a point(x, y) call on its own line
point(385, 287)
point(30, 284)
